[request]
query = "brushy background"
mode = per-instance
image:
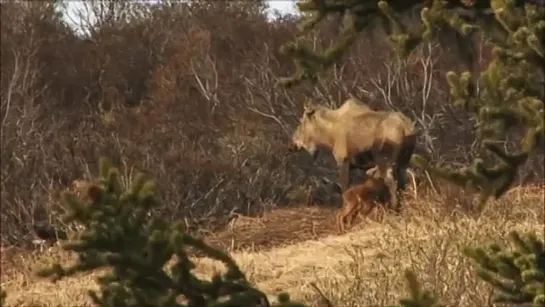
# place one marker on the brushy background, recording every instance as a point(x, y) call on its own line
point(186, 95)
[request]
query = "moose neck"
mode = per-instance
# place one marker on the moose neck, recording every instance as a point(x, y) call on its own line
point(325, 122)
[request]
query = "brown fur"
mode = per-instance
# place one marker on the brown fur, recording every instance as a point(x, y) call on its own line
point(361, 198)
point(354, 128)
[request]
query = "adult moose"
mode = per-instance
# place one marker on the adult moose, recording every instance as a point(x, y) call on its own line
point(354, 130)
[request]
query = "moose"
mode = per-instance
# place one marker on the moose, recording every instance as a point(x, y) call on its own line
point(356, 134)
point(361, 198)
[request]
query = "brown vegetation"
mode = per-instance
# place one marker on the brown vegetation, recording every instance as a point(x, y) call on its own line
point(287, 249)
point(82, 188)
point(186, 95)
point(361, 198)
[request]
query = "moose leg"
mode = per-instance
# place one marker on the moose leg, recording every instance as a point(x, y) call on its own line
point(344, 174)
point(369, 206)
point(342, 218)
point(402, 163)
point(404, 159)
point(392, 187)
point(400, 177)
point(399, 200)
point(385, 171)
point(351, 215)
point(362, 161)
point(339, 221)
point(351, 173)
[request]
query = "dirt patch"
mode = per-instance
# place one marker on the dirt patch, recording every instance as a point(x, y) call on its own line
point(276, 228)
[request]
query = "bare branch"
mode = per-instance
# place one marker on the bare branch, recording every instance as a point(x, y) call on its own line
point(9, 94)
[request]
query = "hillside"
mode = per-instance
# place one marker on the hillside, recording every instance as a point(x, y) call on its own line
point(287, 250)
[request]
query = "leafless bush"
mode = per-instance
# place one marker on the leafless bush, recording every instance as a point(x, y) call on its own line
point(186, 94)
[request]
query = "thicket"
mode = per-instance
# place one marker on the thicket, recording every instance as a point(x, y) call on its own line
point(186, 94)
point(67, 100)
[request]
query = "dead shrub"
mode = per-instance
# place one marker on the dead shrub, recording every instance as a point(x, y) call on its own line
point(185, 94)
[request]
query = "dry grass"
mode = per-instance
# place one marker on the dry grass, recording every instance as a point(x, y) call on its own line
point(362, 268)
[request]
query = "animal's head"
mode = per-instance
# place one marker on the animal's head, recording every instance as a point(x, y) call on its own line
point(305, 134)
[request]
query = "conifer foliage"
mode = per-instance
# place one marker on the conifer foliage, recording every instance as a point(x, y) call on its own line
point(509, 94)
point(517, 274)
point(418, 297)
point(120, 234)
point(150, 264)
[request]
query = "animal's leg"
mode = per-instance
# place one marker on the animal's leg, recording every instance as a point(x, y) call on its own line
point(367, 209)
point(399, 199)
point(392, 187)
point(343, 177)
point(344, 168)
point(339, 221)
point(354, 212)
point(351, 215)
point(400, 177)
point(386, 172)
point(351, 174)
point(344, 220)
point(403, 160)
point(349, 211)
point(341, 216)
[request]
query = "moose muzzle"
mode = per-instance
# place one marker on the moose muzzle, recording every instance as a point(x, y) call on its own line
point(294, 147)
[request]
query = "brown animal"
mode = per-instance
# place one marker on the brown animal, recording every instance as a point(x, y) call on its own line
point(354, 129)
point(361, 199)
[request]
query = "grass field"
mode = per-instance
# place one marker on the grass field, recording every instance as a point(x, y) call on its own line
point(361, 268)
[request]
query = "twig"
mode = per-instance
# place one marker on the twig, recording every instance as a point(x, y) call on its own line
point(431, 182)
point(325, 300)
point(10, 87)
